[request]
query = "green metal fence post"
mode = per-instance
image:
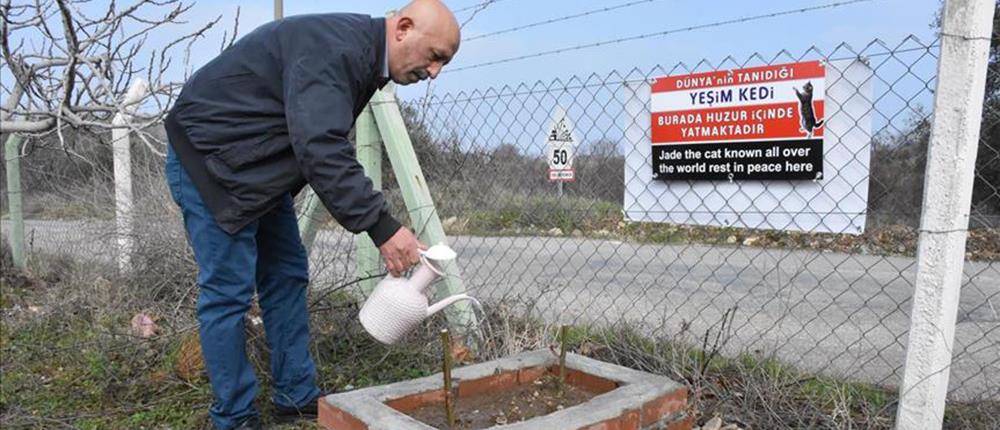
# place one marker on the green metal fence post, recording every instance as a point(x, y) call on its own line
point(369, 146)
point(16, 233)
point(423, 214)
point(308, 213)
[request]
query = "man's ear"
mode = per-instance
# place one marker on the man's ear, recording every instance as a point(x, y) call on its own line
point(403, 26)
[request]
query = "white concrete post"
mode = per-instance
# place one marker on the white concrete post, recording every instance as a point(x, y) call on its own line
point(15, 234)
point(951, 159)
point(122, 152)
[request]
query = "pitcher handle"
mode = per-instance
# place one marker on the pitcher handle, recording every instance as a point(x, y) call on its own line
point(427, 262)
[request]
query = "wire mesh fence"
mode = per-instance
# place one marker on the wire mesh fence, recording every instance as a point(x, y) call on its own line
point(828, 291)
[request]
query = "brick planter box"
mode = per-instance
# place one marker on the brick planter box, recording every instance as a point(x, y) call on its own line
point(630, 399)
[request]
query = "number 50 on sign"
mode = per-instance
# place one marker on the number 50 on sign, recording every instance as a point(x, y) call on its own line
point(560, 142)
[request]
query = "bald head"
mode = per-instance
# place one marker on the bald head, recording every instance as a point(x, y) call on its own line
point(422, 38)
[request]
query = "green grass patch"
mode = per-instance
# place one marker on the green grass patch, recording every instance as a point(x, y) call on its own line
point(69, 373)
point(517, 211)
point(513, 214)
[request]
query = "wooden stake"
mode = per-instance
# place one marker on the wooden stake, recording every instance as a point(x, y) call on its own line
point(449, 408)
point(562, 357)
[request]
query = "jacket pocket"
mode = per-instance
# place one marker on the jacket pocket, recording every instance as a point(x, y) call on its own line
point(238, 155)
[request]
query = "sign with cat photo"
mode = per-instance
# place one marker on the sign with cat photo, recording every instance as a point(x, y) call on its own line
point(841, 123)
point(758, 123)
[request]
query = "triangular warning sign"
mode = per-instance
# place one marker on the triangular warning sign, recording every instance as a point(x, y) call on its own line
point(561, 129)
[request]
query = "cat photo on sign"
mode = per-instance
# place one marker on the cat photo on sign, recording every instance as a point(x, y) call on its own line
point(807, 116)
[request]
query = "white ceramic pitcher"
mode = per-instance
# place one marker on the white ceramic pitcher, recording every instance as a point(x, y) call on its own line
point(398, 305)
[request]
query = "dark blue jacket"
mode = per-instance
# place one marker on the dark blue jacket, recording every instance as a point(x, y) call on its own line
point(272, 113)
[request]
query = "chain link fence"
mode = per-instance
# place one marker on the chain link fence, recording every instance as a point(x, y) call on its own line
point(765, 282)
point(836, 302)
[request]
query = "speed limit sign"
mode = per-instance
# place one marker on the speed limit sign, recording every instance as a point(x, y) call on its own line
point(560, 143)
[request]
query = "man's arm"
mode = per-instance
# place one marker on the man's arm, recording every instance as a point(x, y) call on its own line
point(319, 110)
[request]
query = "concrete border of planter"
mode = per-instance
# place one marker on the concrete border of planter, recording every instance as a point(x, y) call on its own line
point(630, 399)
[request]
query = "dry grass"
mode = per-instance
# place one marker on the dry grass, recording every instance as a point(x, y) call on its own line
point(69, 359)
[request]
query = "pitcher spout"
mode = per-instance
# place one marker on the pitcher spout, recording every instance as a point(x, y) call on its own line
point(435, 308)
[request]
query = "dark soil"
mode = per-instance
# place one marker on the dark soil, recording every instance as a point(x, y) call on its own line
point(521, 403)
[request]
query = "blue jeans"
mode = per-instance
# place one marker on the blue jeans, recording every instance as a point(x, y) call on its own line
point(266, 256)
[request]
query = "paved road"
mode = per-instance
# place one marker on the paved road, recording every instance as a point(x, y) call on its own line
point(841, 314)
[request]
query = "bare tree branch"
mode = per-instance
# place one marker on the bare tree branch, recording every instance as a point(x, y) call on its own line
point(72, 63)
point(236, 31)
point(28, 126)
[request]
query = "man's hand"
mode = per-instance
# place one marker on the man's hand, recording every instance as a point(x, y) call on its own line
point(401, 251)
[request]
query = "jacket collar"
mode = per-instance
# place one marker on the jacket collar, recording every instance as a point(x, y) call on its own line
point(381, 52)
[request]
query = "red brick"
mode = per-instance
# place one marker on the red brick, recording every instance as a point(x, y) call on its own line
point(333, 418)
point(489, 384)
point(665, 405)
point(630, 419)
point(530, 374)
point(414, 401)
point(586, 381)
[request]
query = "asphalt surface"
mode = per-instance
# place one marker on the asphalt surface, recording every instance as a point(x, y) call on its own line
point(844, 315)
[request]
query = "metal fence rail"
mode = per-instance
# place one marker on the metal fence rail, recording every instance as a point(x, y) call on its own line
point(836, 303)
